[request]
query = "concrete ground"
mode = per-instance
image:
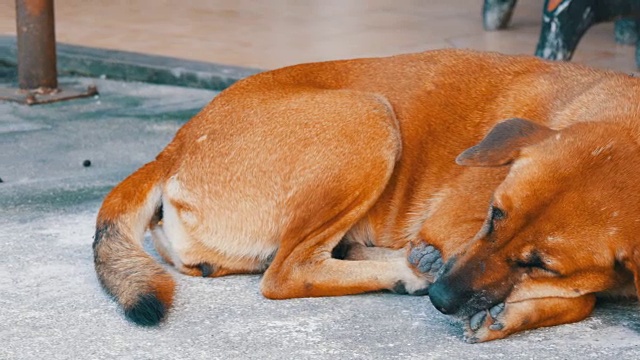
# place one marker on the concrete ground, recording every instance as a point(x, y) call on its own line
point(52, 307)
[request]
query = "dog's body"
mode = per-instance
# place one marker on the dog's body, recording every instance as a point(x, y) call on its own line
point(356, 159)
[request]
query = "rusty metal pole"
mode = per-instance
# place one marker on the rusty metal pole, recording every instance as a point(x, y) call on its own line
point(37, 74)
point(36, 45)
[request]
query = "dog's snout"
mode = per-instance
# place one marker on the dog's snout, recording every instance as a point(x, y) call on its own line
point(443, 299)
point(449, 293)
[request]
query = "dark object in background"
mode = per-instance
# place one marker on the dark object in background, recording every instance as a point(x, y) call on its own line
point(496, 14)
point(1, 180)
point(36, 45)
point(86, 163)
point(36, 55)
point(564, 22)
point(626, 31)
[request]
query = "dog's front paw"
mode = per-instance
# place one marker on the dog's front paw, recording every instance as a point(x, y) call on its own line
point(487, 325)
point(426, 259)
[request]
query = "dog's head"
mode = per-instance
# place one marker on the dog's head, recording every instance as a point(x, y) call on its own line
point(565, 221)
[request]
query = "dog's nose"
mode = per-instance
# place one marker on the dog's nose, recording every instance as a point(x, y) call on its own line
point(443, 299)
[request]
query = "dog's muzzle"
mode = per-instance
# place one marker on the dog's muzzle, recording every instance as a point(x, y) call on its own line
point(443, 299)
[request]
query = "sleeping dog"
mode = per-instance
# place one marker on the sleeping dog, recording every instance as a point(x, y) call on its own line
point(512, 179)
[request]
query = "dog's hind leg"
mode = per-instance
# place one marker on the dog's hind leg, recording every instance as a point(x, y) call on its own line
point(359, 173)
point(180, 244)
point(303, 266)
point(309, 270)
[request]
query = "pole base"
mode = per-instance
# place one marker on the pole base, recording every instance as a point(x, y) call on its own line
point(45, 96)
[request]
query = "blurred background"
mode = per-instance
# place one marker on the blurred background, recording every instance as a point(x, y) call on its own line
point(275, 33)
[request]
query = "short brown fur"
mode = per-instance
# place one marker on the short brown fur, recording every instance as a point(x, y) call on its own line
point(285, 165)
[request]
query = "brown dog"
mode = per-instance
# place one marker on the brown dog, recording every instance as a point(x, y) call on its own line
point(325, 175)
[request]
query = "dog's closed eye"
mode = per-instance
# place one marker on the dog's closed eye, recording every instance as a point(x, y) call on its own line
point(535, 261)
point(532, 262)
point(495, 214)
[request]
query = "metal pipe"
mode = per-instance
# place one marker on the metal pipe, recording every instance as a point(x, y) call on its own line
point(36, 45)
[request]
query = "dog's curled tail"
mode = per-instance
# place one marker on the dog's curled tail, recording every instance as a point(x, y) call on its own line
point(137, 282)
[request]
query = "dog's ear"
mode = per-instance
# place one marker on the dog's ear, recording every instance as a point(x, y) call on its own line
point(503, 143)
point(631, 261)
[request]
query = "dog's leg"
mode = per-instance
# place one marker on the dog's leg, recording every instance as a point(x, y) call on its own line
point(204, 262)
point(198, 260)
point(507, 318)
point(305, 268)
point(338, 191)
point(211, 269)
point(358, 251)
point(333, 277)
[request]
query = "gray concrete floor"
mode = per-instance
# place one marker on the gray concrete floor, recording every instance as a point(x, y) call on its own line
point(52, 307)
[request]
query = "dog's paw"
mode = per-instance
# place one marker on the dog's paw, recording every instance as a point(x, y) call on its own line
point(201, 269)
point(409, 281)
point(426, 259)
point(416, 290)
point(487, 325)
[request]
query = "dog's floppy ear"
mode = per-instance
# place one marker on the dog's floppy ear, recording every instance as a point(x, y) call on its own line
point(503, 143)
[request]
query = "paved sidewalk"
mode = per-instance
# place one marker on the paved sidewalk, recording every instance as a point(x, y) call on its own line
point(51, 305)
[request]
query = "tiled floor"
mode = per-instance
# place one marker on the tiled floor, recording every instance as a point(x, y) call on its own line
point(275, 33)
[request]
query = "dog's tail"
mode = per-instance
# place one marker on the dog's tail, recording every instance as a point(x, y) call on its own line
point(139, 284)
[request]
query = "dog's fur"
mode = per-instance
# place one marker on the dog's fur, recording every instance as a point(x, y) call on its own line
point(325, 175)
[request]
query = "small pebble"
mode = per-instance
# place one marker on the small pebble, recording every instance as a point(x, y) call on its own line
point(86, 163)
